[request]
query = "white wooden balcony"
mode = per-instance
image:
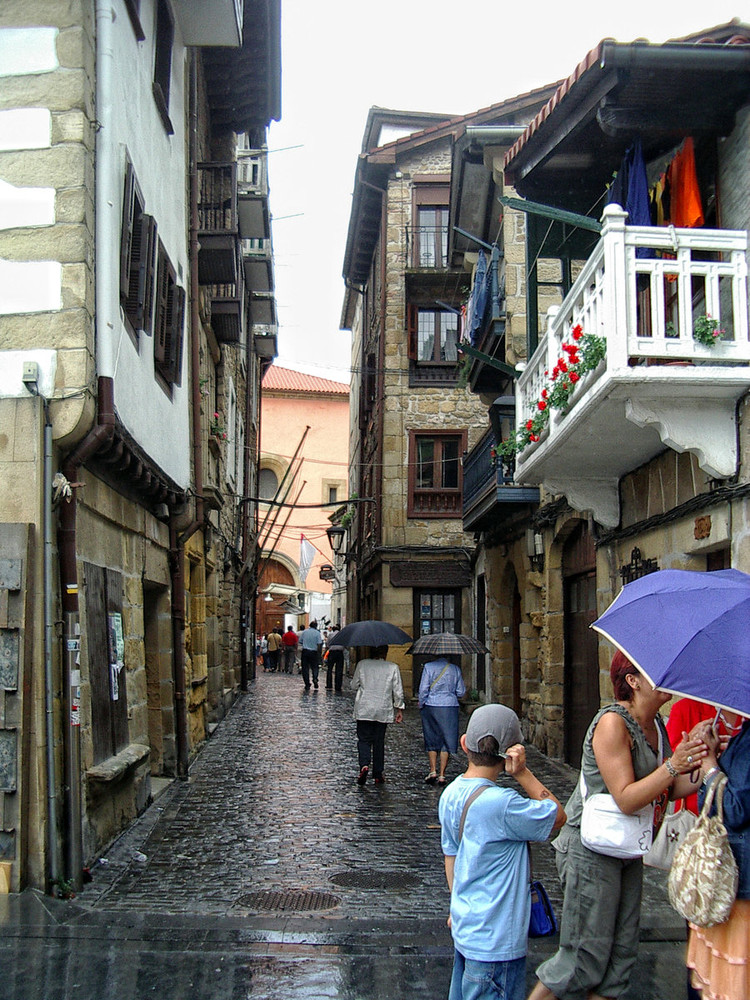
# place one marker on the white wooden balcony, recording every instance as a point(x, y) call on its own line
point(657, 386)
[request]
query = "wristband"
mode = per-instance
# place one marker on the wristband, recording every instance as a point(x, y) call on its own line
point(709, 774)
point(670, 767)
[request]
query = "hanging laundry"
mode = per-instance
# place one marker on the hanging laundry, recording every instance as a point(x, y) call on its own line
point(477, 300)
point(686, 206)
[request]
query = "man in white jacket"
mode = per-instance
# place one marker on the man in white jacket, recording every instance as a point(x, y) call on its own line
point(379, 699)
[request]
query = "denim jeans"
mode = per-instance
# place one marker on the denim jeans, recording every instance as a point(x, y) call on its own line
point(487, 980)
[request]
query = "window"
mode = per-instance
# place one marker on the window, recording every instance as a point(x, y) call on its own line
point(137, 253)
point(432, 236)
point(430, 207)
point(163, 61)
point(433, 336)
point(268, 484)
point(168, 321)
point(333, 494)
point(231, 469)
point(438, 611)
point(435, 474)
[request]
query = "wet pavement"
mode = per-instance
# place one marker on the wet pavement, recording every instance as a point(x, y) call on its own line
point(269, 873)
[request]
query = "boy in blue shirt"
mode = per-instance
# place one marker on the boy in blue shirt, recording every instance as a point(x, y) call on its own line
point(487, 863)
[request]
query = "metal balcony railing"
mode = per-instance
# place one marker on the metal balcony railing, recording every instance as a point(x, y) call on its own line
point(427, 247)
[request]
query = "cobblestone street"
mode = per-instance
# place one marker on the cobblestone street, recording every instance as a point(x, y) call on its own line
point(271, 873)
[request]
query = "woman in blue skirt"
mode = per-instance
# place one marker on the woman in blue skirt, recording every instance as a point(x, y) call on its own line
point(439, 690)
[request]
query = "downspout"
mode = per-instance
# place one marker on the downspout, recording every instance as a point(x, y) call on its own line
point(100, 435)
point(178, 538)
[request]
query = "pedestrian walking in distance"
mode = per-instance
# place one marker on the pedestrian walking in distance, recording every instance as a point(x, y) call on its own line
point(289, 649)
point(378, 700)
point(311, 642)
point(334, 661)
point(485, 830)
point(440, 687)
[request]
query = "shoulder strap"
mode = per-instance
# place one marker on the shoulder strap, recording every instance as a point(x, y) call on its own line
point(439, 676)
point(474, 795)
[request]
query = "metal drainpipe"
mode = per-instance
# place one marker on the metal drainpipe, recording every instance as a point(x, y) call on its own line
point(98, 438)
point(53, 859)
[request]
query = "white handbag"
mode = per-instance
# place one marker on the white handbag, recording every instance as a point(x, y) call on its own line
point(677, 823)
point(606, 829)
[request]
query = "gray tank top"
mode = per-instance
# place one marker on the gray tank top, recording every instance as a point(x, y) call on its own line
point(645, 759)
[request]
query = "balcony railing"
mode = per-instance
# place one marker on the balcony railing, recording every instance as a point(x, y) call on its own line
point(489, 485)
point(643, 289)
point(218, 258)
point(427, 247)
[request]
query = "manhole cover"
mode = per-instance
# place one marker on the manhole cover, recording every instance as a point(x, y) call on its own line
point(374, 880)
point(291, 899)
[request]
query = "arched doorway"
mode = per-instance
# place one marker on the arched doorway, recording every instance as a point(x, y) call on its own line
point(270, 614)
point(581, 688)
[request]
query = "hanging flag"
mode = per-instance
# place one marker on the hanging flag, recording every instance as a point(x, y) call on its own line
point(306, 556)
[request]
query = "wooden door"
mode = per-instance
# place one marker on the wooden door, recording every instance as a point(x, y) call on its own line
point(581, 686)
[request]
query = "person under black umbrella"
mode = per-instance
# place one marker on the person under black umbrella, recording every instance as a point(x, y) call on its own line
point(379, 699)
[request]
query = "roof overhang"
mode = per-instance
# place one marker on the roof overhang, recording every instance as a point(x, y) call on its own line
point(659, 93)
point(243, 84)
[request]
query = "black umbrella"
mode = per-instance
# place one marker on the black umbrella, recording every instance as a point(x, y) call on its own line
point(372, 633)
point(446, 644)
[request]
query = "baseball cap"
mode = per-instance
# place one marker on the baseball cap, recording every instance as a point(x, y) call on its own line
point(493, 720)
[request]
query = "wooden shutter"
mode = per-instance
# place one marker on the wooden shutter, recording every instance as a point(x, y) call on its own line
point(149, 274)
point(126, 235)
point(412, 323)
point(176, 326)
point(163, 284)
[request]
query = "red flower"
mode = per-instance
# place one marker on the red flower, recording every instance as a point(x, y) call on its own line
point(533, 437)
point(577, 332)
point(541, 405)
point(529, 424)
point(562, 365)
point(574, 377)
point(544, 393)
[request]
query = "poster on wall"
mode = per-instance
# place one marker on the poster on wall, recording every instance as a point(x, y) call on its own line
point(116, 653)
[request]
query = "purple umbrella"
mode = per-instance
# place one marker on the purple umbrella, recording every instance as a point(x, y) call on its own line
point(687, 632)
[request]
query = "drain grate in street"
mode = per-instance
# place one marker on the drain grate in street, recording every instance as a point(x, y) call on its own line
point(298, 900)
point(369, 879)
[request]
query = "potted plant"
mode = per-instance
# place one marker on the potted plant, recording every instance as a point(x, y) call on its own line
point(706, 331)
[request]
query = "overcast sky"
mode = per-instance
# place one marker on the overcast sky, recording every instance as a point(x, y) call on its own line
point(341, 57)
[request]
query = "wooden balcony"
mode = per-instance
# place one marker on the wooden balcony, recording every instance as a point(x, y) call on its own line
point(491, 494)
point(218, 235)
point(643, 290)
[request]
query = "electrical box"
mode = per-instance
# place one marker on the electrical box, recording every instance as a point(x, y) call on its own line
point(30, 373)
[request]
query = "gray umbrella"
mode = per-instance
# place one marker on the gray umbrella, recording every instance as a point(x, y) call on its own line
point(372, 633)
point(446, 644)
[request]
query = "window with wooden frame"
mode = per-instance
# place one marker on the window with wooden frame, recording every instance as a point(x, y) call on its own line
point(164, 43)
point(430, 206)
point(433, 335)
point(169, 316)
point(435, 473)
point(137, 257)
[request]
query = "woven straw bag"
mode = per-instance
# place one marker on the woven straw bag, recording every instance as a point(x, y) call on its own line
point(703, 879)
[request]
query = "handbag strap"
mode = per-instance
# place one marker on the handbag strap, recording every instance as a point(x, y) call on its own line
point(474, 795)
point(439, 676)
point(716, 788)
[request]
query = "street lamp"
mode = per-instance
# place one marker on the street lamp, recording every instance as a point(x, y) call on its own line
point(336, 535)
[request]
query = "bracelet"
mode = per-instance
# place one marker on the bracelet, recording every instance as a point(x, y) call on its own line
point(670, 767)
point(709, 774)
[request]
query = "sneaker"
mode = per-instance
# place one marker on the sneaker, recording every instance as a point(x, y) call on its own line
point(380, 780)
point(363, 772)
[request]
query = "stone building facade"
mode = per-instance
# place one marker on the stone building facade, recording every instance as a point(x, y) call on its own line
point(109, 513)
point(640, 484)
